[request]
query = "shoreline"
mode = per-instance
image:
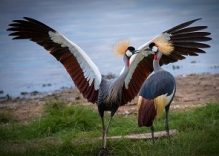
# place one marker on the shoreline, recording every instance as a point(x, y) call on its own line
point(193, 90)
point(40, 93)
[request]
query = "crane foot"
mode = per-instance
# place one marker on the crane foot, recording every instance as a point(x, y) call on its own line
point(103, 152)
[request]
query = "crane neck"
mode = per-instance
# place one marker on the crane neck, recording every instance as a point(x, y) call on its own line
point(156, 62)
point(115, 89)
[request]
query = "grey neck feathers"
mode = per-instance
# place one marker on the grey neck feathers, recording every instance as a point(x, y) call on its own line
point(115, 90)
point(156, 63)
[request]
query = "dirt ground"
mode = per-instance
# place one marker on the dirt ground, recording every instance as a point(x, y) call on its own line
point(192, 91)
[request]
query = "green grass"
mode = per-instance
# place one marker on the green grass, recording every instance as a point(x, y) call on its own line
point(73, 130)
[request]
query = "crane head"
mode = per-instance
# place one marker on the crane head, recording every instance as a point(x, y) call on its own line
point(153, 47)
point(130, 51)
point(124, 49)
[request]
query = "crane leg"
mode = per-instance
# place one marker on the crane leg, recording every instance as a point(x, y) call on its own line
point(103, 131)
point(106, 131)
point(167, 121)
point(152, 133)
point(103, 151)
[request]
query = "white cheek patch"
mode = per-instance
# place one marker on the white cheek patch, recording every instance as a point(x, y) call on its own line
point(128, 53)
point(154, 48)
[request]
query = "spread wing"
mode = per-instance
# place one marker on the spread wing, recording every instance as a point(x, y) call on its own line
point(139, 70)
point(181, 41)
point(175, 43)
point(80, 67)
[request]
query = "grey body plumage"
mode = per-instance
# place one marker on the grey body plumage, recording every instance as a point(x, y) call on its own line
point(110, 95)
point(162, 82)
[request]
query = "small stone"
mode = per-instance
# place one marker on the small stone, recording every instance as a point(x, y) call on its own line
point(24, 93)
point(34, 92)
point(77, 98)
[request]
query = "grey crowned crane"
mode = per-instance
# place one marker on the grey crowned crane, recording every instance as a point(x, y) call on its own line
point(158, 90)
point(109, 95)
point(156, 94)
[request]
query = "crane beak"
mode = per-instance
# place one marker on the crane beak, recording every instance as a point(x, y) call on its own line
point(136, 51)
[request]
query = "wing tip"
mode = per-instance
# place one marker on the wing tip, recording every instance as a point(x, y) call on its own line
point(194, 20)
point(182, 25)
point(197, 19)
point(28, 18)
point(9, 29)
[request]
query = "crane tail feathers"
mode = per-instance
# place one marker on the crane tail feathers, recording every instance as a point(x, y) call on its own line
point(146, 113)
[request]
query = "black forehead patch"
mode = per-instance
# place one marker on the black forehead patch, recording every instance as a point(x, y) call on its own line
point(151, 45)
point(131, 48)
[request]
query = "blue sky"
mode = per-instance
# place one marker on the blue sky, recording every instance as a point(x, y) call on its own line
point(96, 26)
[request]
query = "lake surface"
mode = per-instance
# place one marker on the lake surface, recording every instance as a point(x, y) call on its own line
point(29, 71)
point(96, 26)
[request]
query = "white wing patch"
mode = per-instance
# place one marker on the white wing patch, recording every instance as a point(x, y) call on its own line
point(90, 70)
point(169, 98)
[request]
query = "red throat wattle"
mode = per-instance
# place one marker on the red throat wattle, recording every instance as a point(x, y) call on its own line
point(155, 57)
point(127, 63)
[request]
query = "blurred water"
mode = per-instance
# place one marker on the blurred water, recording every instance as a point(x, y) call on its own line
point(96, 26)
point(35, 70)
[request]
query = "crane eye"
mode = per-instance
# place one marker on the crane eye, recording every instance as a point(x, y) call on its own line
point(128, 53)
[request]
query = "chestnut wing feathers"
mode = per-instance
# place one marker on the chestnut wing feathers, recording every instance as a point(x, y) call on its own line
point(82, 70)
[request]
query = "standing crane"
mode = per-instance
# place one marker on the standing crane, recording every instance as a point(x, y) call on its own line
point(109, 95)
point(156, 93)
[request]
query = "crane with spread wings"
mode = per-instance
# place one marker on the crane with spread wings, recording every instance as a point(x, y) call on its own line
point(109, 95)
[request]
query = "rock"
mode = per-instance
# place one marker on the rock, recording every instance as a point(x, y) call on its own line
point(193, 61)
point(47, 85)
point(175, 67)
point(109, 76)
point(77, 98)
point(5, 98)
point(34, 93)
point(24, 93)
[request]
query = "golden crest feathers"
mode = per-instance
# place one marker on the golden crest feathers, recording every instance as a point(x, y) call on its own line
point(121, 47)
point(163, 44)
